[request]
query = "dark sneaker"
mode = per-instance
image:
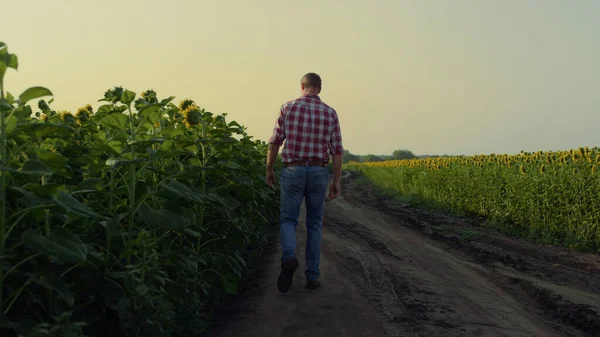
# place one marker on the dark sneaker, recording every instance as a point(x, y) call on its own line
point(313, 284)
point(287, 274)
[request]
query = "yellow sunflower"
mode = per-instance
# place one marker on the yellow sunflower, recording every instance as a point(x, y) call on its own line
point(83, 114)
point(185, 104)
point(192, 116)
point(66, 116)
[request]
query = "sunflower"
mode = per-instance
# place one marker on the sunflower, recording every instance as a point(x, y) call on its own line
point(67, 116)
point(192, 115)
point(186, 103)
point(146, 97)
point(148, 94)
point(83, 114)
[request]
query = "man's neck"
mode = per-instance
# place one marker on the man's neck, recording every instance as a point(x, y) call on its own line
point(310, 93)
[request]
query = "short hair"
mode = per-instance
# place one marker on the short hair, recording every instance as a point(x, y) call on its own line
point(311, 80)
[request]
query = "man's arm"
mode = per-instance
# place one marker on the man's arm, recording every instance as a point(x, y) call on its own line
point(272, 155)
point(337, 150)
point(337, 167)
point(274, 143)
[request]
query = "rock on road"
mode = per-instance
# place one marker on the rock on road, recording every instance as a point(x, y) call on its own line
point(388, 270)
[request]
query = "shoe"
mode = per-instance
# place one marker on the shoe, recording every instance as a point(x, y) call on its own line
point(313, 284)
point(284, 282)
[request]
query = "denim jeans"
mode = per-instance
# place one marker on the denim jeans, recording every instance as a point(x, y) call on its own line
point(298, 183)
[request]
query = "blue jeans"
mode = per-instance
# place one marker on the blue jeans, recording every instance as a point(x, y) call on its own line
point(298, 183)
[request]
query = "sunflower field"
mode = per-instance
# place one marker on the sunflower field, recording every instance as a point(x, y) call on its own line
point(549, 197)
point(132, 219)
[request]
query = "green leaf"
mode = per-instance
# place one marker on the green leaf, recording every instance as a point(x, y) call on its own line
point(30, 167)
point(142, 289)
point(150, 112)
point(167, 100)
point(116, 145)
point(4, 105)
point(11, 124)
point(240, 259)
point(54, 282)
point(32, 200)
point(127, 97)
point(230, 283)
point(235, 266)
point(61, 245)
point(164, 218)
point(43, 130)
point(52, 159)
point(193, 233)
point(171, 133)
point(188, 264)
point(105, 109)
point(23, 112)
point(88, 185)
point(47, 190)
point(73, 205)
point(184, 191)
point(33, 93)
point(142, 142)
point(115, 121)
point(116, 162)
point(112, 227)
point(13, 61)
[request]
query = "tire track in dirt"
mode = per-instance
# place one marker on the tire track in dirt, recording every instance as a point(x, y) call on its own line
point(386, 272)
point(427, 303)
point(563, 285)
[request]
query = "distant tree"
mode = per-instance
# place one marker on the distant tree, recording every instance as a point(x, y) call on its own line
point(348, 157)
point(403, 154)
point(371, 158)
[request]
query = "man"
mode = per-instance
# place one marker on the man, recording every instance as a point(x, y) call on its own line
point(311, 131)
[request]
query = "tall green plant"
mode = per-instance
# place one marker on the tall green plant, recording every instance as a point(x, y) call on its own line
point(132, 219)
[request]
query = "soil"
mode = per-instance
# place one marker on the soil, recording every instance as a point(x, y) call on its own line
point(392, 270)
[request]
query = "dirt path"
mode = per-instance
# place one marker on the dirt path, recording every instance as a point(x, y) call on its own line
point(389, 270)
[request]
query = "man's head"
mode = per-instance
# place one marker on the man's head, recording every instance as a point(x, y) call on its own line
point(311, 84)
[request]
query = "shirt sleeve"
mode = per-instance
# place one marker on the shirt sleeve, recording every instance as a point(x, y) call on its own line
point(278, 135)
point(335, 140)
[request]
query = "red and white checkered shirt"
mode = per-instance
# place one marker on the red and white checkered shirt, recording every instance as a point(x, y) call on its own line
point(310, 128)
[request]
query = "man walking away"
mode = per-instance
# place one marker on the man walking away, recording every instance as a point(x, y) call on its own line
point(311, 131)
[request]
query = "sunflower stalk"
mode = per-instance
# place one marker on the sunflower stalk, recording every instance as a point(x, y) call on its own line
point(132, 173)
point(2, 186)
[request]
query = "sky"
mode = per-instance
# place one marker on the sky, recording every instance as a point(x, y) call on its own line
point(432, 76)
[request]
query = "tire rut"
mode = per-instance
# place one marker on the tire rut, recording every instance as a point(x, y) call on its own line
point(386, 271)
point(430, 302)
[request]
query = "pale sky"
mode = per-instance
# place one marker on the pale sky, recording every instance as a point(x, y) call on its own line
point(445, 76)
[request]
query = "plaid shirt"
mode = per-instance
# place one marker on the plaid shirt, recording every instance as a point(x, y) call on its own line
point(310, 128)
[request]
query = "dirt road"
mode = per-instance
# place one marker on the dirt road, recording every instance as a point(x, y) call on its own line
point(389, 270)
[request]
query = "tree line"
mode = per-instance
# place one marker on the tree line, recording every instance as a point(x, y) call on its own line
point(396, 155)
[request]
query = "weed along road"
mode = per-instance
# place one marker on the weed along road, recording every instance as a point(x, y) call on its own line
point(391, 270)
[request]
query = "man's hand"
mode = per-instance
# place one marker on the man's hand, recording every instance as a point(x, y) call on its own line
point(334, 190)
point(270, 177)
point(271, 156)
